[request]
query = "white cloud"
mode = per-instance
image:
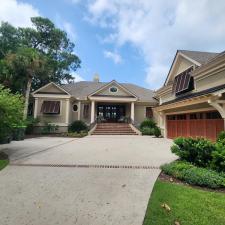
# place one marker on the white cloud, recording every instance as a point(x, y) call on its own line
point(77, 77)
point(68, 27)
point(159, 28)
point(17, 13)
point(114, 56)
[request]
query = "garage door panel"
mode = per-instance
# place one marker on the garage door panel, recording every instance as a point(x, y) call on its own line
point(197, 128)
point(207, 128)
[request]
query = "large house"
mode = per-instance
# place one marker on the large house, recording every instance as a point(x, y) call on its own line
point(91, 101)
point(190, 103)
point(192, 99)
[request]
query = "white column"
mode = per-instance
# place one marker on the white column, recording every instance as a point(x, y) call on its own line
point(67, 111)
point(132, 112)
point(35, 107)
point(79, 110)
point(162, 123)
point(92, 111)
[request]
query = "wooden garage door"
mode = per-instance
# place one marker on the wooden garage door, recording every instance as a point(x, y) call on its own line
point(203, 124)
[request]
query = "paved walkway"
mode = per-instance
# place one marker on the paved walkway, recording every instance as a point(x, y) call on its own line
point(58, 180)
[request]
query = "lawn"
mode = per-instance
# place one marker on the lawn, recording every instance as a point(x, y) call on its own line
point(189, 206)
point(3, 163)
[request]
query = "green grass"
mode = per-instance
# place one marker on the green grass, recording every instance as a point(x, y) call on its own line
point(188, 205)
point(3, 163)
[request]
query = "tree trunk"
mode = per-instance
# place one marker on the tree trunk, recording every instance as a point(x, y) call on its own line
point(27, 95)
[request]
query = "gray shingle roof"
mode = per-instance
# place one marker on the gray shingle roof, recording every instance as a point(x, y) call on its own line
point(201, 57)
point(84, 88)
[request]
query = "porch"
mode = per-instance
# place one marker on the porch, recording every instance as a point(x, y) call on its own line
point(112, 112)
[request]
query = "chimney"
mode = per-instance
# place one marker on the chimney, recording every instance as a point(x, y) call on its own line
point(96, 78)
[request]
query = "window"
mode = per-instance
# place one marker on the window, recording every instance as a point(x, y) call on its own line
point(75, 108)
point(213, 115)
point(196, 116)
point(171, 117)
point(86, 111)
point(183, 82)
point(181, 117)
point(113, 89)
point(149, 113)
point(50, 107)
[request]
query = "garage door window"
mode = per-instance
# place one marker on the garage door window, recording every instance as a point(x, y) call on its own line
point(181, 117)
point(196, 116)
point(213, 115)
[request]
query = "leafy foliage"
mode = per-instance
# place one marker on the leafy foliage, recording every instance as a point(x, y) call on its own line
point(78, 126)
point(218, 156)
point(197, 151)
point(49, 128)
point(194, 175)
point(148, 123)
point(11, 112)
point(49, 42)
point(147, 131)
point(30, 124)
point(221, 136)
point(157, 132)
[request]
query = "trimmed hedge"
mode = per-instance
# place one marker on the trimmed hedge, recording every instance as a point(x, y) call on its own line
point(147, 131)
point(148, 123)
point(197, 151)
point(77, 126)
point(194, 175)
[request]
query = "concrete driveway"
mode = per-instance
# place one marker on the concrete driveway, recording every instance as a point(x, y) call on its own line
point(96, 180)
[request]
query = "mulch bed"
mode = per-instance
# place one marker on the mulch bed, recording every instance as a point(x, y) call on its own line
point(3, 156)
point(165, 177)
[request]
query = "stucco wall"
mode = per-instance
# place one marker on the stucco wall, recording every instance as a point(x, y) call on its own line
point(210, 81)
point(107, 92)
point(140, 113)
point(61, 118)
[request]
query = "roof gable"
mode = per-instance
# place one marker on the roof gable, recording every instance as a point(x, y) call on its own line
point(105, 90)
point(188, 57)
point(180, 63)
point(51, 88)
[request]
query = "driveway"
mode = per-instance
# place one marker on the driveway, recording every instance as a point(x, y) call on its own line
point(96, 180)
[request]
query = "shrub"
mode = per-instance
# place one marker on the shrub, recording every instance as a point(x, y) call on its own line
point(218, 156)
point(30, 123)
point(147, 131)
point(197, 151)
point(49, 128)
point(221, 136)
point(11, 113)
point(157, 132)
point(78, 126)
point(148, 123)
point(194, 175)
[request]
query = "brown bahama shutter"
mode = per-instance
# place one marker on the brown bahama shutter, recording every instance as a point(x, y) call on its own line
point(182, 82)
point(50, 107)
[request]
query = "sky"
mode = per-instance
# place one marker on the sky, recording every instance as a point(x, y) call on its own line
point(131, 41)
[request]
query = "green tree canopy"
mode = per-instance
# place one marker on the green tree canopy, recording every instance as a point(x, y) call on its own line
point(50, 42)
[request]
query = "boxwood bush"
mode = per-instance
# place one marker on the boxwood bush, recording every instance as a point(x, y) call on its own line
point(148, 123)
point(78, 126)
point(194, 175)
point(197, 151)
point(147, 131)
point(218, 156)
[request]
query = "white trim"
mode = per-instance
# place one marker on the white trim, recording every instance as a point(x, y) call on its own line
point(35, 108)
point(77, 107)
point(174, 63)
point(49, 85)
point(50, 96)
point(113, 87)
point(112, 99)
point(110, 83)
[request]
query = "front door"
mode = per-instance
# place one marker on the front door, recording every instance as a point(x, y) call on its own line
point(111, 113)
